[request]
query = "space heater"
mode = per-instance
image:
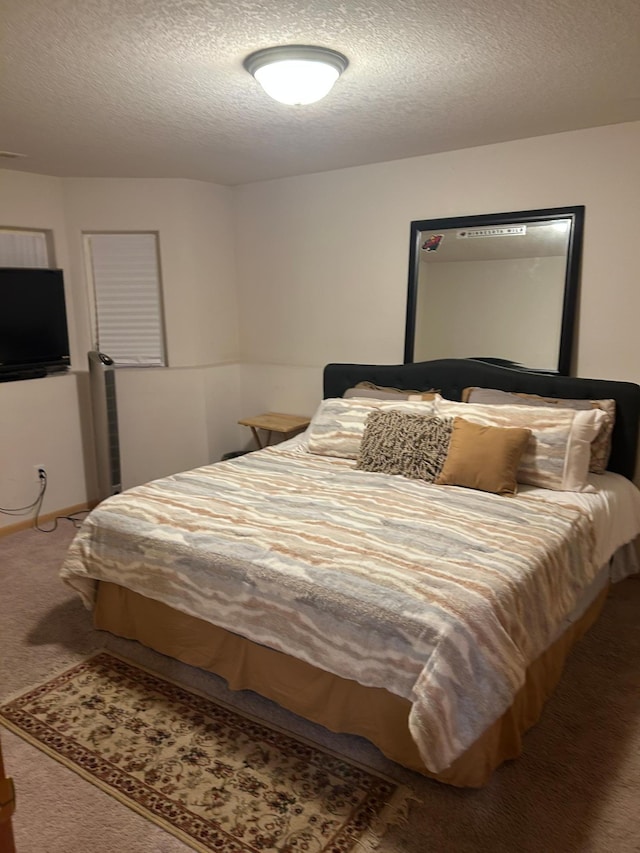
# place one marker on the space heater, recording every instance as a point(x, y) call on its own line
point(102, 379)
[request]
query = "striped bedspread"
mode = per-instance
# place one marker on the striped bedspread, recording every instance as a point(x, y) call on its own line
point(441, 595)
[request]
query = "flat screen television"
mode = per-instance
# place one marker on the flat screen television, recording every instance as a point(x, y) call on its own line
point(34, 340)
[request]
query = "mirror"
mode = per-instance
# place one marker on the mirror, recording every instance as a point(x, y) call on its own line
point(498, 287)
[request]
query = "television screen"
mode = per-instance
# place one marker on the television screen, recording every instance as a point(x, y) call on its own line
point(33, 321)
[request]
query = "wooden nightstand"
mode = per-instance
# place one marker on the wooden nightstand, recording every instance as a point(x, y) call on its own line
point(285, 425)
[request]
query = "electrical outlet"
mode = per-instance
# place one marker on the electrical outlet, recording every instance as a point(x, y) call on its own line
point(41, 471)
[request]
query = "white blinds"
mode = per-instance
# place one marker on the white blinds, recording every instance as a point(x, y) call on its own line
point(23, 248)
point(126, 285)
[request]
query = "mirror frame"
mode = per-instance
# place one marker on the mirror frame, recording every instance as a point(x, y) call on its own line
point(572, 274)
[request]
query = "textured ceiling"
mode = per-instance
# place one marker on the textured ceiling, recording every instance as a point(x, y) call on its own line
point(156, 88)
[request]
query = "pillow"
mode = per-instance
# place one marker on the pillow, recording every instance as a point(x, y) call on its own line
point(559, 449)
point(601, 444)
point(484, 457)
point(401, 443)
point(380, 392)
point(338, 425)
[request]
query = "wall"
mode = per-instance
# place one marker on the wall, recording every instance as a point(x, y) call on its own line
point(40, 419)
point(170, 419)
point(196, 255)
point(325, 275)
point(164, 414)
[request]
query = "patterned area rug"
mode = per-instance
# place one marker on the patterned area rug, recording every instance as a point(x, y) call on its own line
point(214, 778)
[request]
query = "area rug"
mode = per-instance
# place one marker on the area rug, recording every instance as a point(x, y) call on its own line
point(216, 779)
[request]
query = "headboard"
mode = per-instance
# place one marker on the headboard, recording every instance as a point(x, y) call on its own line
point(451, 375)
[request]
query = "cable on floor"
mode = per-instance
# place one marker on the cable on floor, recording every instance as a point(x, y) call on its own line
point(37, 505)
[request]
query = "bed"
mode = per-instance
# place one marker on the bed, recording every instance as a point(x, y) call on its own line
point(433, 620)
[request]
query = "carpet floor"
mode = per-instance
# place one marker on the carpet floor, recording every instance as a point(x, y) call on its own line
point(575, 788)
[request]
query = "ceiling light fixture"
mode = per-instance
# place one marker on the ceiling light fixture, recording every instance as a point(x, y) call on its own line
point(296, 73)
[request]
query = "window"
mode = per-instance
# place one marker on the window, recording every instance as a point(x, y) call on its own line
point(125, 274)
point(23, 248)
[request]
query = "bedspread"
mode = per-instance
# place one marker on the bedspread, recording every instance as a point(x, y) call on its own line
point(441, 595)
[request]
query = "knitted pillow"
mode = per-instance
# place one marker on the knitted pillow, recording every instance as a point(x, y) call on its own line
point(400, 443)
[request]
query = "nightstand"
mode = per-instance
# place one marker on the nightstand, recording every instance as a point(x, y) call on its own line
point(284, 425)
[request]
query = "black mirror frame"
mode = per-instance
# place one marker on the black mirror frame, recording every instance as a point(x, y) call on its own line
point(572, 277)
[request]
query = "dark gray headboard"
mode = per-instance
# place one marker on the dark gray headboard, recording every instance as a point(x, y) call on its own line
point(450, 376)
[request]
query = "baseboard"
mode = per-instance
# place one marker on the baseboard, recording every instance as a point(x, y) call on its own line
point(45, 518)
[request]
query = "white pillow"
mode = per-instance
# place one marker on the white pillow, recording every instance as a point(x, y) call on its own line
point(601, 444)
point(338, 425)
point(558, 453)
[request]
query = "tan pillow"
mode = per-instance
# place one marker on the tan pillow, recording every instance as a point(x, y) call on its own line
point(600, 445)
point(383, 392)
point(414, 446)
point(484, 457)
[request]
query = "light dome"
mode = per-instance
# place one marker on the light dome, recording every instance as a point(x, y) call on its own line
point(296, 74)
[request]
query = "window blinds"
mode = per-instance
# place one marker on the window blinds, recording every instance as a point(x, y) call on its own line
point(23, 248)
point(126, 284)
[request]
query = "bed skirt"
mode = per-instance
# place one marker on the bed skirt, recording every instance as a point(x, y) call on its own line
point(336, 703)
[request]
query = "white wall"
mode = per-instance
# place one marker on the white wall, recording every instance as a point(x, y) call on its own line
point(40, 419)
point(196, 255)
point(170, 419)
point(323, 275)
point(40, 425)
point(295, 390)
point(164, 414)
point(174, 420)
